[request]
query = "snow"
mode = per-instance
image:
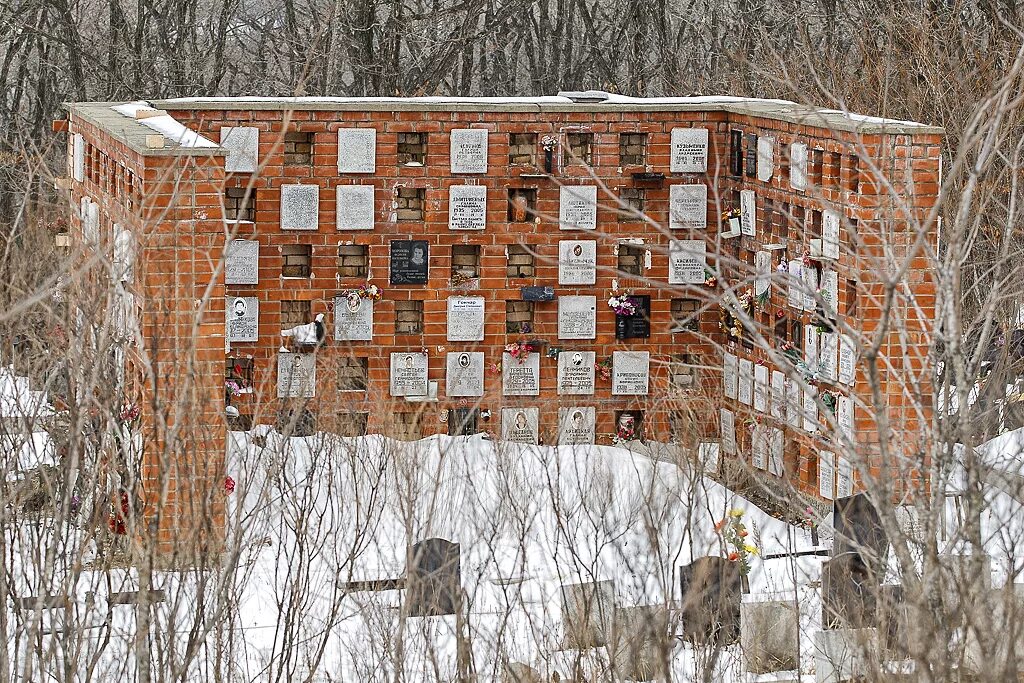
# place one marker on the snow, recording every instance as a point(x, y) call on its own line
point(164, 124)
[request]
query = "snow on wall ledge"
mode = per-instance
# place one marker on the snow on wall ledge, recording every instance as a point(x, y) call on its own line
point(164, 124)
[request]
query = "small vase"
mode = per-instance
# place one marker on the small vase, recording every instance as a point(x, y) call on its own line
point(745, 584)
point(549, 156)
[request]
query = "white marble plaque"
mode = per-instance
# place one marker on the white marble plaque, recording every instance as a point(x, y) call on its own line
point(467, 207)
point(577, 317)
point(763, 272)
point(776, 452)
point(468, 150)
point(811, 347)
point(809, 287)
point(78, 158)
point(688, 207)
point(844, 478)
point(576, 372)
point(748, 213)
point(243, 146)
point(464, 374)
point(577, 207)
point(827, 355)
point(745, 392)
point(730, 375)
point(761, 388)
point(827, 475)
point(576, 425)
point(765, 158)
point(355, 207)
point(810, 409)
point(759, 443)
point(243, 318)
point(124, 254)
point(778, 394)
point(830, 235)
point(795, 280)
point(847, 360)
point(357, 150)
point(409, 374)
point(353, 318)
point(798, 166)
point(296, 375)
point(631, 373)
point(709, 455)
point(242, 263)
point(830, 291)
point(577, 262)
point(520, 379)
point(794, 410)
point(689, 150)
point(728, 425)
point(687, 260)
point(90, 221)
point(300, 207)
point(519, 425)
point(465, 318)
point(844, 416)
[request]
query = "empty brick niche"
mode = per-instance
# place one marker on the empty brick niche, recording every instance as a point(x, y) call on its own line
point(520, 261)
point(522, 149)
point(353, 260)
point(409, 203)
point(412, 149)
point(579, 149)
point(408, 317)
point(518, 317)
point(296, 260)
point(632, 149)
point(298, 148)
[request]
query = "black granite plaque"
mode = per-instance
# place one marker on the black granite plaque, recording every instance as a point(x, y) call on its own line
point(637, 325)
point(433, 580)
point(859, 532)
point(410, 260)
point(751, 155)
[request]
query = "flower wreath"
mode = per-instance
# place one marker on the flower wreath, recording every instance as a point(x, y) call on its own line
point(549, 142)
point(604, 368)
point(365, 291)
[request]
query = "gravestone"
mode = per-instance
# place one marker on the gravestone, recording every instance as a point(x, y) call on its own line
point(638, 324)
point(464, 374)
point(710, 605)
point(577, 207)
point(827, 475)
point(844, 478)
point(794, 278)
point(577, 262)
point(844, 416)
point(355, 207)
point(242, 263)
point(124, 254)
point(688, 207)
point(631, 373)
point(689, 153)
point(465, 318)
point(687, 261)
point(296, 375)
point(759, 447)
point(830, 235)
point(576, 425)
point(410, 261)
point(78, 158)
point(730, 375)
point(745, 392)
point(409, 374)
point(467, 207)
point(845, 654)
point(858, 531)
point(243, 146)
point(468, 150)
point(576, 372)
point(809, 286)
point(588, 610)
point(641, 648)
point(577, 317)
point(520, 425)
point(520, 378)
point(727, 420)
point(761, 388)
point(709, 456)
point(811, 346)
point(847, 360)
point(798, 166)
point(353, 318)
point(769, 635)
point(748, 213)
point(243, 318)
point(828, 355)
point(778, 394)
point(765, 158)
point(763, 271)
point(543, 293)
point(810, 409)
point(849, 593)
point(357, 150)
point(776, 452)
point(300, 207)
point(794, 396)
point(434, 579)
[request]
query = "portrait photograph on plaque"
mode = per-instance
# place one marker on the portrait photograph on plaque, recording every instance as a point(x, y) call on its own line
point(410, 261)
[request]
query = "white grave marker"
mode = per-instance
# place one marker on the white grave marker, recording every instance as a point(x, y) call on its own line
point(520, 378)
point(844, 416)
point(464, 374)
point(576, 425)
point(827, 475)
point(847, 360)
point(728, 424)
point(730, 375)
point(778, 394)
point(519, 425)
point(300, 207)
point(467, 207)
point(765, 158)
point(243, 318)
point(243, 146)
point(577, 317)
point(577, 207)
point(357, 150)
point(763, 272)
point(746, 387)
point(468, 150)
point(748, 213)
point(409, 374)
point(809, 286)
point(242, 263)
point(827, 355)
point(465, 318)
point(830, 235)
point(688, 207)
point(687, 260)
point(296, 375)
point(811, 347)
point(709, 456)
point(844, 478)
point(760, 447)
point(777, 452)
point(577, 262)
point(631, 373)
point(353, 318)
point(810, 409)
point(355, 207)
point(78, 158)
point(793, 406)
point(124, 254)
point(798, 166)
point(761, 388)
point(796, 294)
point(689, 152)
point(576, 372)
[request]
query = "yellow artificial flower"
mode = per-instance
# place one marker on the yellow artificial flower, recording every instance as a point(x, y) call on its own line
point(735, 512)
point(750, 549)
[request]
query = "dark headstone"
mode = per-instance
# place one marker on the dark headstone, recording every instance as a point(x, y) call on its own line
point(711, 592)
point(537, 293)
point(638, 325)
point(433, 581)
point(410, 262)
point(849, 593)
point(295, 422)
point(858, 530)
point(462, 421)
point(751, 155)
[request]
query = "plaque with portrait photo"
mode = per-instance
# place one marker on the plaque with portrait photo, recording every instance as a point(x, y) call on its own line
point(410, 262)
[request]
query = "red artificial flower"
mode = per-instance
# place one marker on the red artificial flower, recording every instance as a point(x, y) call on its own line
point(229, 485)
point(733, 556)
point(720, 525)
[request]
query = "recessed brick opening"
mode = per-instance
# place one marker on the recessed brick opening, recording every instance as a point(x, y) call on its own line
point(298, 149)
point(465, 261)
point(522, 204)
point(683, 370)
point(633, 198)
point(518, 317)
point(412, 149)
point(352, 374)
point(631, 259)
point(296, 260)
point(409, 317)
point(239, 204)
point(295, 313)
point(410, 202)
point(353, 260)
point(685, 315)
point(522, 149)
point(579, 148)
point(632, 149)
point(520, 261)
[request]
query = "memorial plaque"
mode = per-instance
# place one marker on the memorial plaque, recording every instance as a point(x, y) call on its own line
point(631, 373)
point(577, 207)
point(827, 355)
point(242, 263)
point(765, 158)
point(300, 207)
point(355, 207)
point(709, 456)
point(798, 166)
point(243, 318)
point(78, 158)
point(809, 287)
point(730, 375)
point(761, 390)
point(577, 262)
point(751, 166)
point(728, 426)
point(576, 425)
point(577, 317)
point(520, 378)
point(688, 207)
point(811, 347)
point(810, 409)
point(827, 475)
point(409, 374)
point(410, 260)
point(830, 235)
point(687, 260)
point(776, 452)
point(357, 150)
point(465, 318)
point(638, 325)
point(759, 442)
point(778, 394)
point(746, 385)
point(844, 416)
point(296, 375)
point(844, 484)
point(124, 254)
point(465, 374)
point(243, 146)
point(519, 425)
point(468, 150)
point(689, 150)
point(353, 318)
point(90, 220)
point(793, 403)
point(467, 207)
point(795, 280)
point(847, 360)
point(434, 578)
point(763, 272)
point(576, 372)
point(748, 213)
